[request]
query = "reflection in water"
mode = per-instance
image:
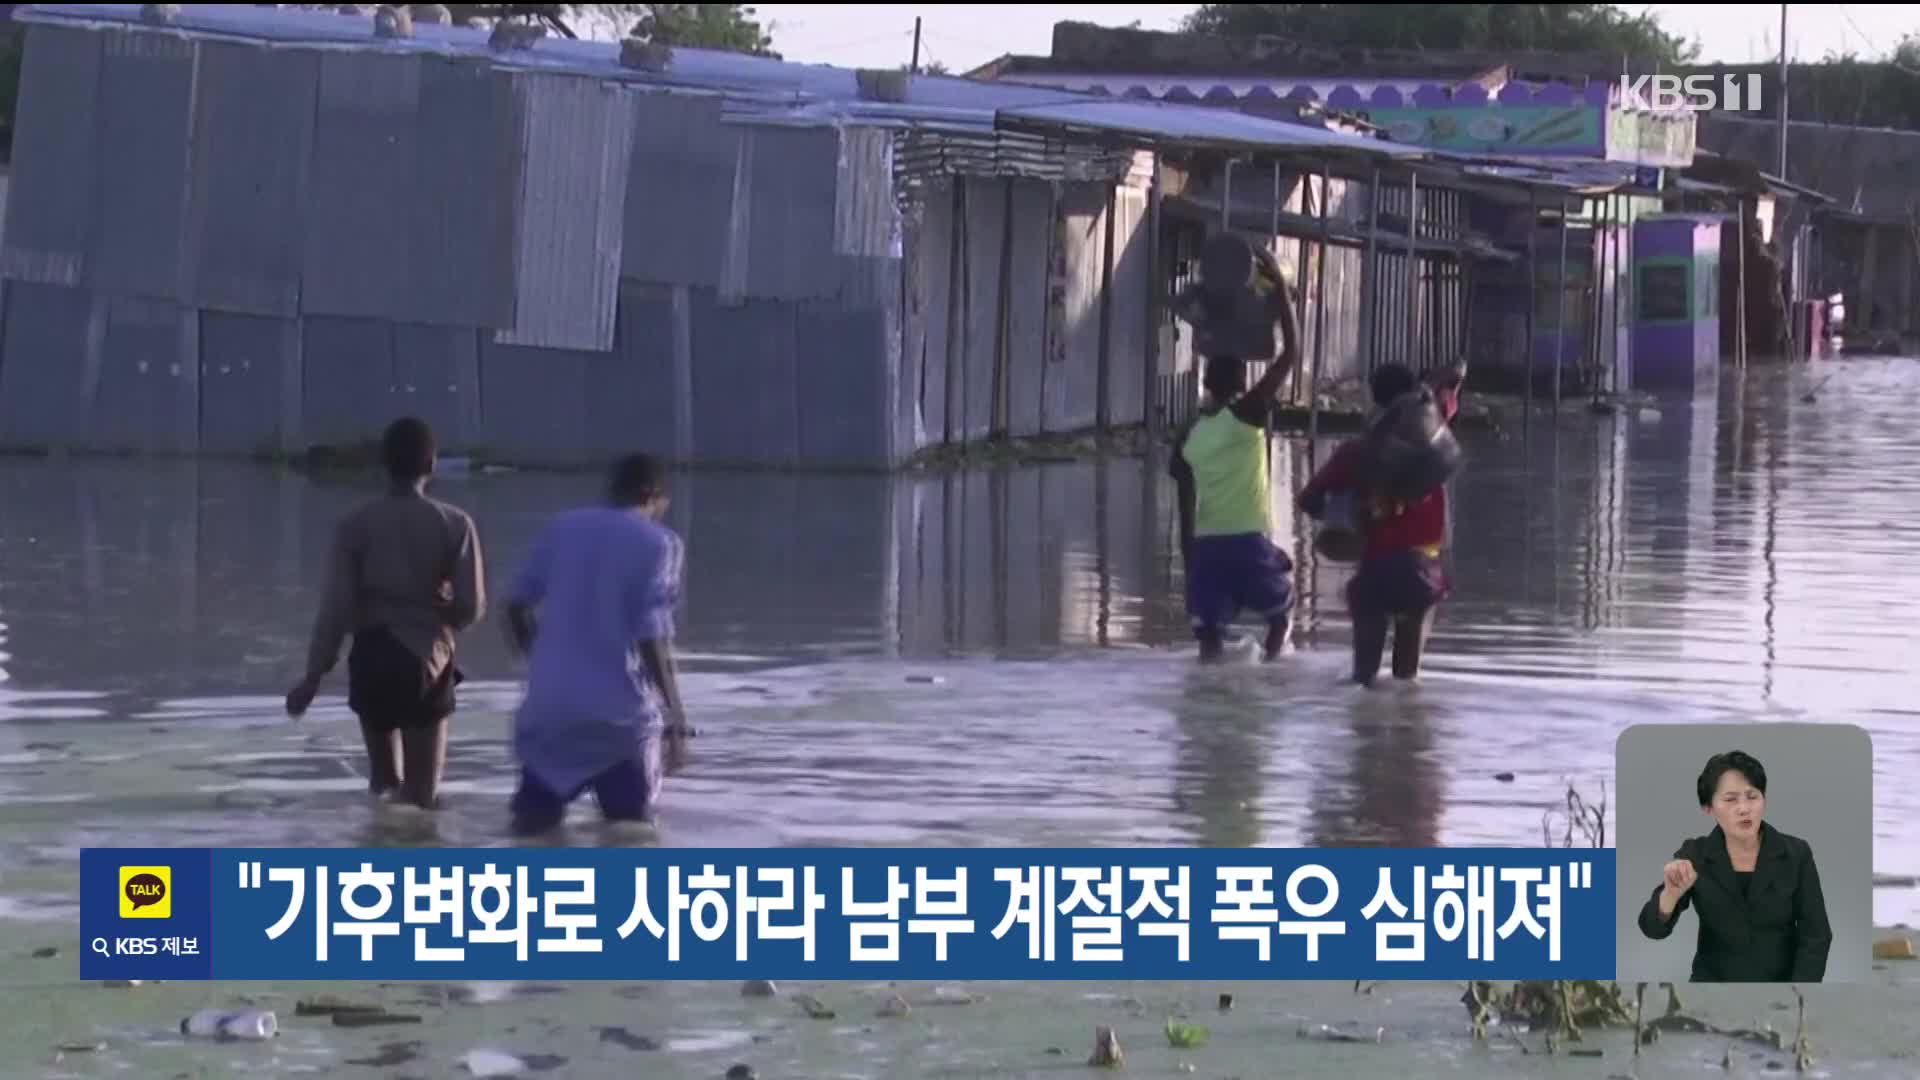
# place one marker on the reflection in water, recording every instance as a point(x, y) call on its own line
point(1741, 554)
point(1221, 752)
point(1389, 791)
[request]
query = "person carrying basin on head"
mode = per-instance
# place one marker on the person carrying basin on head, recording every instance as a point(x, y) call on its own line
point(1220, 461)
point(1387, 487)
point(404, 576)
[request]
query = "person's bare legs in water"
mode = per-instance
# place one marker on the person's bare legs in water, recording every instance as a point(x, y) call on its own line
point(406, 762)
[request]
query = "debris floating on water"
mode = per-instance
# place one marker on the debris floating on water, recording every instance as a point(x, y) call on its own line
point(814, 1007)
point(374, 1017)
point(1898, 947)
point(742, 1072)
point(249, 1025)
point(926, 680)
point(47, 952)
point(896, 1007)
point(1504, 777)
point(1106, 1049)
point(620, 1036)
point(1343, 1033)
point(396, 1053)
point(327, 1006)
point(492, 1063)
point(758, 988)
point(1226, 1002)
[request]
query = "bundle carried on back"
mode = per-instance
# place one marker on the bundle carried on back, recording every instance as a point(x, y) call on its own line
point(1411, 448)
point(1406, 453)
point(1231, 307)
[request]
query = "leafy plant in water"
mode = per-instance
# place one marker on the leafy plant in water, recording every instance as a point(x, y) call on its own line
point(1184, 1036)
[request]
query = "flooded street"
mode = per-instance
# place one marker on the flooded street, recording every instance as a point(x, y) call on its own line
point(1746, 557)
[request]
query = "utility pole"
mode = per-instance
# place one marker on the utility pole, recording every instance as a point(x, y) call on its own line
point(914, 67)
point(1782, 92)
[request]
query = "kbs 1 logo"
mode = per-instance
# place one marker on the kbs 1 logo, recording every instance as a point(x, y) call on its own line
point(1700, 93)
point(146, 892)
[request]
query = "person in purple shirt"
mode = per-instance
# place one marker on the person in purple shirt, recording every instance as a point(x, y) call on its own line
point(592, 610)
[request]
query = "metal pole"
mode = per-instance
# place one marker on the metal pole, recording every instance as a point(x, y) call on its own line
point(1156, 290)
point(1560, 320)
point(1299, 282)
point(1273, 245)
point(1320, 303)
point(1413, 260)
point(1602, 214)
point(1226, 196)
point(1622, 286)
point(1533, 303)
point(1740, 294)
point(1370, 277)
point(1783, 92)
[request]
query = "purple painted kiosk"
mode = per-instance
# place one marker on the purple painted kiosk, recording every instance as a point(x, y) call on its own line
point(1676, 309)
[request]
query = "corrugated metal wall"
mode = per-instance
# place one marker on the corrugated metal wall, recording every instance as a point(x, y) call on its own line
point(50, 204)
point(579, 136)
point(1029, 308)
point(213, 245)
point(46, 339)
point(357, 252)
point(680, 195)
point(253, 131)
point(146, 112)
point(466, 201)
point(1074, 381)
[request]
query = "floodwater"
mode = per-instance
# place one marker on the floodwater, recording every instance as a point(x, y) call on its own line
point(1746, 556)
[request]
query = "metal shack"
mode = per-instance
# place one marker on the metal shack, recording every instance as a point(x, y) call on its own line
point(243, 230)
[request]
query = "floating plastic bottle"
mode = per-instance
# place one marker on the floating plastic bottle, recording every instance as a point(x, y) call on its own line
point(250, 1025)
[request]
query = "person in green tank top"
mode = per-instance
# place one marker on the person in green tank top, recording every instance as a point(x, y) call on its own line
point(1219, 465)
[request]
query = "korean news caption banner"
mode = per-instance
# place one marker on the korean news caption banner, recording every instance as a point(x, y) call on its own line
point(864, 913)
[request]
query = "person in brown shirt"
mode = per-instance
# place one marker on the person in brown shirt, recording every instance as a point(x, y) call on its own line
point(404, 576)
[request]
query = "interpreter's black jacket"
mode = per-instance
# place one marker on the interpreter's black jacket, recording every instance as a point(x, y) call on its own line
point(1777, 932)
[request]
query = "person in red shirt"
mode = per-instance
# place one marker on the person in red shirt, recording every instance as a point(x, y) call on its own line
point(1400, 581)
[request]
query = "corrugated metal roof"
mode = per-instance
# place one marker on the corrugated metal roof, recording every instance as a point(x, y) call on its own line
point(777, 82)
point(1155, 122)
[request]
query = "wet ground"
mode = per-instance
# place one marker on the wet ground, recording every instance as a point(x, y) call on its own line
point(1743, 557)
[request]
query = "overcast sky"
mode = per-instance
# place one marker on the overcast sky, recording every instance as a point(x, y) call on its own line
point(963, 36)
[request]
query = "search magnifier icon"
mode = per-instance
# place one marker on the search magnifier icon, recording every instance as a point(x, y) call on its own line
point(100, 946)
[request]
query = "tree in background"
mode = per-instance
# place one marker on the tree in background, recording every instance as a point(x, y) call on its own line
point(1906, 55)
point(728, 27)
point(1584, 28)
